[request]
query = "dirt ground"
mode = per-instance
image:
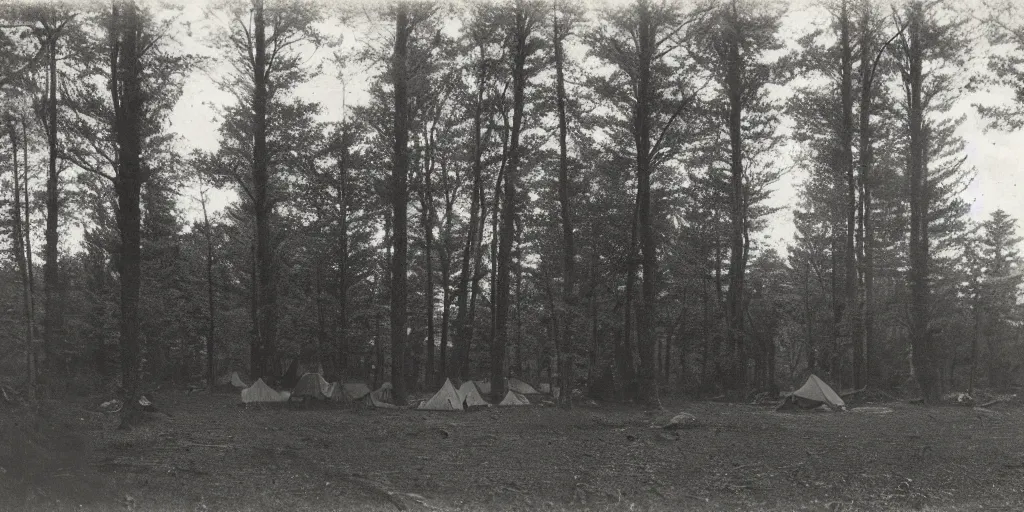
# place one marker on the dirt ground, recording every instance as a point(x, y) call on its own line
point(210, 453)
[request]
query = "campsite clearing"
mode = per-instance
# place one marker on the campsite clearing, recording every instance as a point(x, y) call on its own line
point(213, 454)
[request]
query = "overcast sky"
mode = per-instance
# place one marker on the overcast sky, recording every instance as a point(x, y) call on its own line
point(996, 156)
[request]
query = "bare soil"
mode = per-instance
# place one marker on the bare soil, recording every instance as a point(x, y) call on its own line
point(210, 453)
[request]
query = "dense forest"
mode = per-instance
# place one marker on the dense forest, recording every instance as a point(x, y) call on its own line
point(577, 194)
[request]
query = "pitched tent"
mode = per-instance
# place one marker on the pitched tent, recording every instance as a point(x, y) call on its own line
point(383, 393)
point(232, 379)
point(520, 387)
point(513, 384)
point(261, 392)
point(371, 400)
point(312, 385)
point(334, 392)
point(815, 393)
point(355, 390)
point(469, 395)
point(513, 398)
point(446, 399)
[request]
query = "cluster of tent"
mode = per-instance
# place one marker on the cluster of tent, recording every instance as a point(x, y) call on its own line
point(470, 395)
point(449, 398)
point(814, 393)
point(313, 385)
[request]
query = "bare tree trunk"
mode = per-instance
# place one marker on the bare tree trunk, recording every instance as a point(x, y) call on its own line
point(522, 32)
point(812, 356)
point(642, 128)
point(922, 355)
point(127, 94)
point(868, 68)
point(18, 247)
point(211, 335)
point(566, 351)
point(266, 267)
point(738, 215)
point(446, 278)
point(849, 309)
point(399, 203)
point(30, 275)
point(427, 203)
point(463, 326)
point(255, 355)
point(342, 189)
point(624, 358)
point(53, 320)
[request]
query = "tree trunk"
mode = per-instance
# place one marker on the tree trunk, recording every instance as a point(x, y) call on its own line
point(849, 308)
point(737, 261)
point(593, 372)
point(399, 203)
point(446, 277)
point(342, 189)
point(32, 329)
point(917, 173)
point(127, 94)
point(255, 355)
point(53, 319)
point(566, 351)
point(624, 359)
point(642, 129)
point(210, 337)
point(266, 296)
point(503, 278)
point(867, 187)
point(427, 203)
point(463, 327)
point(18, 247)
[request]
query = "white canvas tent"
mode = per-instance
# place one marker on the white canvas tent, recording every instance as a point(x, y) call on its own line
point(312, 385)
point(261, 392)
point(233, 379)
point(446, 399)
point(383, 393)
point(815, 393)
point(470, 396)
point(513, 398)
point(520, 387)
point(355, 390)
point(512, 384)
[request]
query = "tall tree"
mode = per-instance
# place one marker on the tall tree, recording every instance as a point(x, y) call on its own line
point(523, 41)
point(266, 45)
point(563, 19)
point(871, 52)
point(1000, 264)
point(407, 17)
point(18, 246)
point(930, 55)
point(51, 26)
point(653, 99)
point(734, 39)
point(481, 36)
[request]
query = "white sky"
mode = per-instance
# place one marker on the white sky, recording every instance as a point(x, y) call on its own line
point(998, 157)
